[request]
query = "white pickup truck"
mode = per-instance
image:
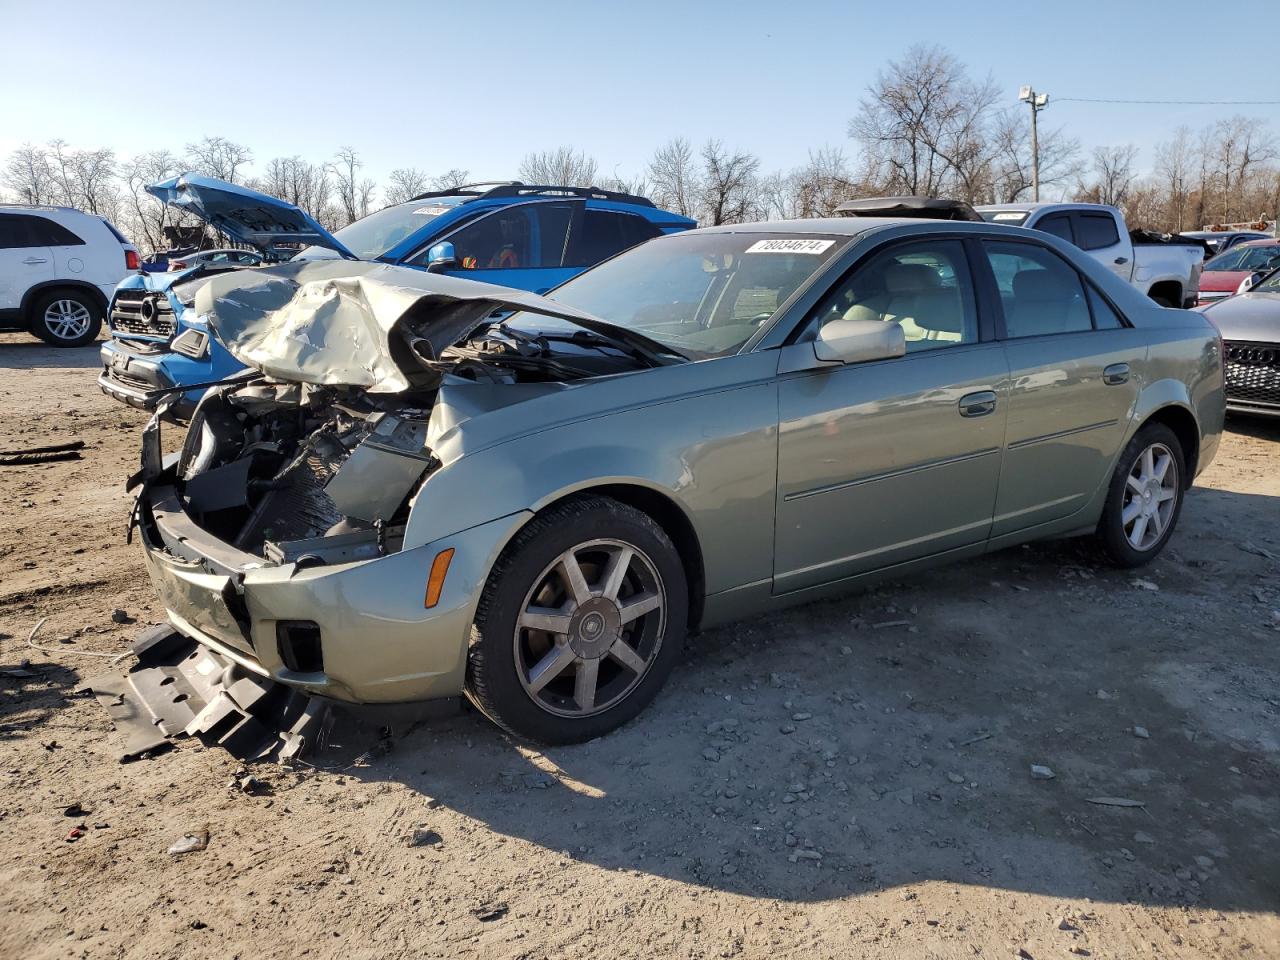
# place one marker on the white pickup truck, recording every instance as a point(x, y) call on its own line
point(1168, 272)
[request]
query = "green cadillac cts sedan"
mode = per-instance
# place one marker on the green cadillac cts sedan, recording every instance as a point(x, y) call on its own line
point(426, 486)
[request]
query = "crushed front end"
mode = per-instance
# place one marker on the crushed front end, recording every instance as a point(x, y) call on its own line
point(276, 538)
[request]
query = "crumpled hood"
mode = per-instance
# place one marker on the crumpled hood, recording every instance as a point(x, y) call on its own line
point(354, 323)
point(1248, 316)
point(245, 215)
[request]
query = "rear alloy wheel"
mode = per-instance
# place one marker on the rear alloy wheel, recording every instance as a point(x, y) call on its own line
point(66, 319)
point(577, 631)
point(1145, 497)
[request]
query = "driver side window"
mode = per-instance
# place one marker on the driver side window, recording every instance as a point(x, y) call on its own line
point(923, 287)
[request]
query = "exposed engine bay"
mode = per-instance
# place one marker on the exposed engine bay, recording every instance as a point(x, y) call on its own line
point(316, 457)
point(308, 474)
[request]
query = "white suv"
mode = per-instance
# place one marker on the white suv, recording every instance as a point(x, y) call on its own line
point(58, 269)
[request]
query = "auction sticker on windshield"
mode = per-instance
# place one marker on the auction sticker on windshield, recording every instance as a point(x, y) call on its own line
point(790, 246)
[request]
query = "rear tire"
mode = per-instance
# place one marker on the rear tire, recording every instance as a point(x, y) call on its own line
point(66, 318)
point(580, 623)
point(1144, 499)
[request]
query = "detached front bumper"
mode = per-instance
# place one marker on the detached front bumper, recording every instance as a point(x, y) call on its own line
point(357, 632)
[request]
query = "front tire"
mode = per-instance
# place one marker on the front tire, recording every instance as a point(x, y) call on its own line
point(580, 623)
point(1145, 497)
point(66, 318)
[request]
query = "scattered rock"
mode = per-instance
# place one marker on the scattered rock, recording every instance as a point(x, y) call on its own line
point(846, 651)
point(1041, 772)
point(120, 616)
point(1141, 733)
point(191, 842)
point(955, 777)
point(1142, 584)
point(1204, 863)
point(1066, 924)
point(1182, 873)
point(424, 837)
point(77, 810)
point(802, 716)
point(712, 754)
point(787, 728)
point(1143, 837)
point(488, 912)
point(74, 834)
point(805, 855)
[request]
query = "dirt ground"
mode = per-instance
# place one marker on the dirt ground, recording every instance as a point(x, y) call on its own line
point(850, 779)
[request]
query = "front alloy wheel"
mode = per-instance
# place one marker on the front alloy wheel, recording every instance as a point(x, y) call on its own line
point(580, 622)
point(591, 627)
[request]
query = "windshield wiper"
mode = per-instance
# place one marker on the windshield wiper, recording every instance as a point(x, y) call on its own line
point(637, 344)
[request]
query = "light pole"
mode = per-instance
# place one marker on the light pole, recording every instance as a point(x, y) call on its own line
point(1038, 102)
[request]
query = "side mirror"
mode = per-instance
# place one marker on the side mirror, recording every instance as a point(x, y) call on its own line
point(442, 257)
point(858, 341)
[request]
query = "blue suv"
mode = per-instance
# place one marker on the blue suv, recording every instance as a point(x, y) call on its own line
point(514, 234)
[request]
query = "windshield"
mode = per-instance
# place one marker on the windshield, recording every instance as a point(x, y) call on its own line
point(702, 295)
point(372, 236)
point(1010, 217)
point(1269, 285)
point(1246, 258)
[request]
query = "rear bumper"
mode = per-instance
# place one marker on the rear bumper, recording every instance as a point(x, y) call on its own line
point(377, 641)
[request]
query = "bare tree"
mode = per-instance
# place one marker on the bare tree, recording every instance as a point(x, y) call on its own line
point(1112, 176)
point(450, 179)
point(303, 184)
point(674, 176)
point(219, 157)
point(637, 186)
point(1175, 167)
point(405, 183)
point(562, 167)
point(729, 187)
point(145, 217)
point(923, 124)
point(27, 173)
point(354, 195)
point(1010, 138)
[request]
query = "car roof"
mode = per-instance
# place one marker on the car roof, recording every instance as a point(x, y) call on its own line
point(855, 226)
point(1268, 242)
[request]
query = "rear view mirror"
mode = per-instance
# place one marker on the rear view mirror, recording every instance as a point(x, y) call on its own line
point(859, 341)
point(442, 257)
point(1251, 281)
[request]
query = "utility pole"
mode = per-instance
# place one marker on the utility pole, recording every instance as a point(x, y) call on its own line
point(1037, 102)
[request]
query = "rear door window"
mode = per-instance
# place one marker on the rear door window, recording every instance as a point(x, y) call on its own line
point(1059, 224)
point(1041, 293)
point(1094, 231)
point(605, 233)
point(50, 234)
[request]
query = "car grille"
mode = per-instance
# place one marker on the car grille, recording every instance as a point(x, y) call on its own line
point(142, 313)
point(1253, 373)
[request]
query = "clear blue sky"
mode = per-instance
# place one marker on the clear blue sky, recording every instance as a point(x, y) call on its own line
point(477, 85)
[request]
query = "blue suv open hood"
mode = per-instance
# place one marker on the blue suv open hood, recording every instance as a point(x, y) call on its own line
point(245, 215)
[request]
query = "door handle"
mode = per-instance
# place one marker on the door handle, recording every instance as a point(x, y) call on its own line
point(1122, 259)
point(32, 261)
point(978, 404)
point(1116, 374)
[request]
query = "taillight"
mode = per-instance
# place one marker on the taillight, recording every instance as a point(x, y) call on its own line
point(177, 265)
point(131, 260)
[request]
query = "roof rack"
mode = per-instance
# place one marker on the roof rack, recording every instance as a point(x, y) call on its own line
point(514, 188)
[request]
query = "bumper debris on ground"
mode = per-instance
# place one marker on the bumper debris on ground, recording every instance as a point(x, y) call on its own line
point(179, 688)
